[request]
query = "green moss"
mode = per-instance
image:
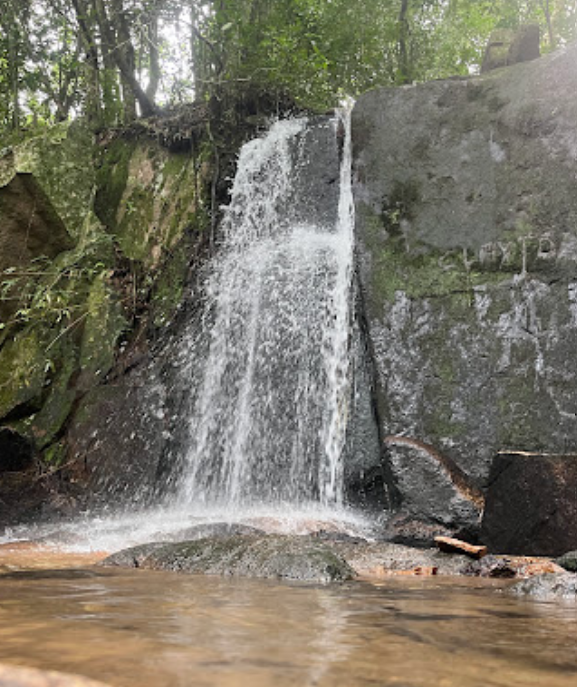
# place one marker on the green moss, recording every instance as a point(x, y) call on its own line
point(135, 229)
point(175, 165)
point(55, 455)
point(399, 205)
point(168, 289)
point(419, 270)
point(111, 179)
point(61, 161)
point(102, 327)
point(58, 404)
point(23, 367)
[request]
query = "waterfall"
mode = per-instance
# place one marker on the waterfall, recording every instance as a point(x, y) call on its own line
point(266, 377)
point(267, 421)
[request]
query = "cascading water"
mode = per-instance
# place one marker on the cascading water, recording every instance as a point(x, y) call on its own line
point(267, 377)
point(268, 420)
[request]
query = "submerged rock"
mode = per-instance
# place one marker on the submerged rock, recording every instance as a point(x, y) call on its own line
point(291, 558)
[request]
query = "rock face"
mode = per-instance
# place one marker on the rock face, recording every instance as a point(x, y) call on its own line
point(531, 505)
point(95, 246)
point(467, 230)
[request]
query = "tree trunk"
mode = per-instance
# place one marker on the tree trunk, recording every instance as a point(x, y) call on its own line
point(124, 52)
point(92, 103)
point(13, 66)
point(125, 65)
point(404, 71)
point(547, 12)
point(153, 57)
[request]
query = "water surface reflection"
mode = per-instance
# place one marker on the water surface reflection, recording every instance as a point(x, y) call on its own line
point(145, 628)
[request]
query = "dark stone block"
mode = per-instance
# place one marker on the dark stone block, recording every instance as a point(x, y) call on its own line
point(507, 47)
point(531, 504)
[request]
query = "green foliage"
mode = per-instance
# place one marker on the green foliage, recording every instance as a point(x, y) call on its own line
point(61, 57)
point(52, 294)
point(319, 52)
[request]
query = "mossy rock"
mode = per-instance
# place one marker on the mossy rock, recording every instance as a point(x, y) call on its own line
point(44, 425)
point(568, 561)
point(23, 367)
point(103, 325)
point(146, 197)
point(61, 160)
point(285, 557)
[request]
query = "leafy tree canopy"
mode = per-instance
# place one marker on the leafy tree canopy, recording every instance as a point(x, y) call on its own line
point(114, 60)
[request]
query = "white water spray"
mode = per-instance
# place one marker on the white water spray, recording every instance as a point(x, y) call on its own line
point(269, 421)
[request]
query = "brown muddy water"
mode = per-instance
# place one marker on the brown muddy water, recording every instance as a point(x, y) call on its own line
point(130, 628)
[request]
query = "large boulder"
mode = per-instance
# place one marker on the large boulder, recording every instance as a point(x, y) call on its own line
point(467, 230)
point(293, 558)
point(531, 505)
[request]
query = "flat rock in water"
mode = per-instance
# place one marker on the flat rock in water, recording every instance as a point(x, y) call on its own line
point(11, 676)
point(548, 586)
point(285, 557)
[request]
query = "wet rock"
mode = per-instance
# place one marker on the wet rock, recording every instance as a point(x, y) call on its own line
point(116, 437)
point(568, 561)
point(560, 585)
point(12, 676)
point(466, 222)
point(215, 529)
point(402, 528)
point(316, 558)
point(291, 558)
point(531, 505)
point(326, 535)
point(379, 559)
point(491, 566)
point(434, 489)
point(136, 556)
